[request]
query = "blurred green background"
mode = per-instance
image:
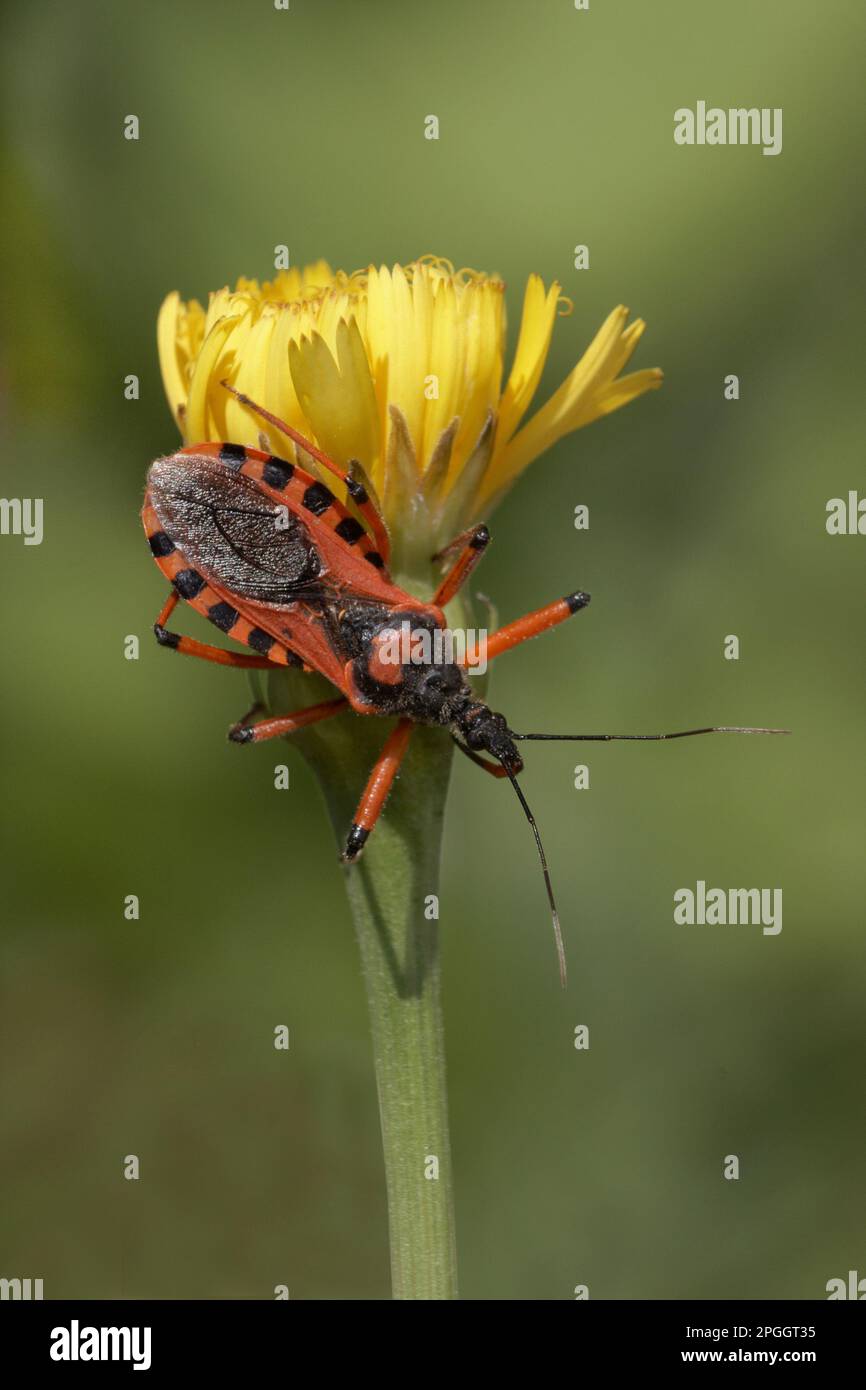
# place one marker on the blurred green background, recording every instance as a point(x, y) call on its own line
point(707, 518)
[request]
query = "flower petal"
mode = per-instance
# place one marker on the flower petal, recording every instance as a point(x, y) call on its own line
point(179, 334)
point(234, 422)
point(618, 393)
point(167, 342)
point(533, 343)
point(445, 363)
point(574, 404)
point(212, 365)
point(406, 354)
point(481, 327)
point(281, 398)
point(337, 397)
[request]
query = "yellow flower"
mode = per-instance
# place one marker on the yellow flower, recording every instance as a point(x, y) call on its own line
point(398, 371)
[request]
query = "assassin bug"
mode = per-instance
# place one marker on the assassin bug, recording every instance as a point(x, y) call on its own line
point(312, 589)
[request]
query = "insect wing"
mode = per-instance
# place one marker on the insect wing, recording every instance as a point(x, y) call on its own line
point(258, 544)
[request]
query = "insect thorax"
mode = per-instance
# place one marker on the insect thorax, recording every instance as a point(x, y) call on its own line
point(402, 663)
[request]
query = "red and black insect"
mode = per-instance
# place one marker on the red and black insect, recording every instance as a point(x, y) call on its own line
point(270, 555)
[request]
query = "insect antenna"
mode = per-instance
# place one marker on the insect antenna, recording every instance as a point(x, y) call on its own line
point(557, 930)
point(606, 738)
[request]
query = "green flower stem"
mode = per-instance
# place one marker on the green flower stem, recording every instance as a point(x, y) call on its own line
point(390, 891)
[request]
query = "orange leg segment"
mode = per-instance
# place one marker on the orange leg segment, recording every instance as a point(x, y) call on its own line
point(531, 624)
point(242, 732)
point(472, 545)
point(376, 791)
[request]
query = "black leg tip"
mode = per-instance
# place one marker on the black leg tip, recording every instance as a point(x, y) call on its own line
point(241, 733)
point(577, 601)
point(164, 637)
point(355, 842)
point(481, 538)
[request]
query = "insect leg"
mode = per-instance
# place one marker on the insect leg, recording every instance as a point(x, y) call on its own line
point(532, 624)
point(376, 791)
point(188, 646)
point(356, 490)
point(472, 545)
point(254, 709)
point(242, 732)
